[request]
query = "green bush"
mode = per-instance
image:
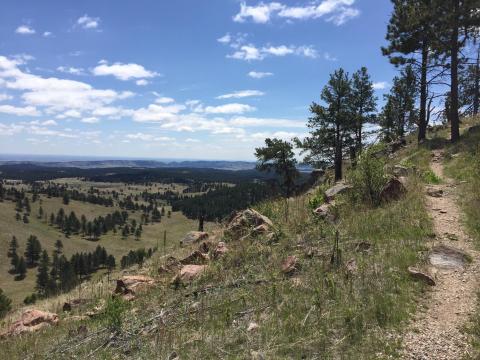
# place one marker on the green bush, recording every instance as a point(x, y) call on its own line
point(5, 304)
point(368, 177)
point(430, 177)
point(318, 198)
point(114, 312)
point(30, 299)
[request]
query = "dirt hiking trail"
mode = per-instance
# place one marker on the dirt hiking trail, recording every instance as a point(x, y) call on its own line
point(436, 332)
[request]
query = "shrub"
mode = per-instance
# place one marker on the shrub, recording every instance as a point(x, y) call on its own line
point(114, 312)
point(5, 304)
point(430, 178)
point(318, 198)
point(30, 299)
point(368, 177)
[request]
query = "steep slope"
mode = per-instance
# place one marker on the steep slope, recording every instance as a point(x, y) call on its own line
point(299, 292)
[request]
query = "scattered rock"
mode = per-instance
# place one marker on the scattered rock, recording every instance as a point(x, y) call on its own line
point(253, 326)
point(325, 211)
point(290, 265)
point(193, 237)
point(249, 222)
point(434, 192)
point(80, 331)
point(196, 258)
point(422, 276)
point(337, 189)
point(189, 273)
point(173, 356)
point(393, 190)
point(446, 257)
point(363, 247)
point(205, 247)
point(70, 305)
point(399, 170)
point(31, 321)
point(351, 266)
point(220, 250)
point(129, 285)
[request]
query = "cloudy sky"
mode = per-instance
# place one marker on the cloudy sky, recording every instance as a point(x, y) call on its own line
point(175, 79)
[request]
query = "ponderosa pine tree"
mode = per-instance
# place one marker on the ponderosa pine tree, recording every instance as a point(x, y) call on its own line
point(12, 254)
point(43, 278)
point(411, 35)
point(21, 270)
point(456, 21)
point(364, 104)
point(32, 251)
point(399, 111)
point(332, 126)
point(278, 155)
point(469, 83)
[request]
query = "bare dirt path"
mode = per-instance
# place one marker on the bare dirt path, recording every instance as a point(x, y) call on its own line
point(436, 331)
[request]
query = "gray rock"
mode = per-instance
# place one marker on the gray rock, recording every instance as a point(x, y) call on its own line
point(422, 276)
point(337, 189)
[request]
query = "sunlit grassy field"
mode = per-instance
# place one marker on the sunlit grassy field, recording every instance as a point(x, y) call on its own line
point(176, 227)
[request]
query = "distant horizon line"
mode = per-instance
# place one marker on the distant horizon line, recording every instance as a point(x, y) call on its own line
point(60, 158)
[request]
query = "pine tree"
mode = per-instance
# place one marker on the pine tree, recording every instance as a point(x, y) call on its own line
point(43, 277)
point(32, 251)
point(12, 254)
point(332, 125)
point(364, 104)
point(5, 304)
point(456, 21)
point(399, 112)
point(278, 155)
point(58, 247)
point(40, 212)
point(21, 269)
point(411, 36)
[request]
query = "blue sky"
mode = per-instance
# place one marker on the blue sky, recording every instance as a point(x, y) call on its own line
point(175, 79)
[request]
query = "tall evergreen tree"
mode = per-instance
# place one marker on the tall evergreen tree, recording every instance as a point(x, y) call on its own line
point(43, 278)
point(332, 125)
point(456, 21)
point(278, 155)
point(21, 269)
point(32, 251)
point(12, 254)
point(363, 102)
point(399, 111)
point(411, 35)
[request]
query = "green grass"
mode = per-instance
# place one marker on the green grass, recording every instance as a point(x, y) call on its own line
point(176, 226)
point(326, 312)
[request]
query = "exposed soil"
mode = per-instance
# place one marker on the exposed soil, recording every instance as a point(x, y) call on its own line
point(436, 332)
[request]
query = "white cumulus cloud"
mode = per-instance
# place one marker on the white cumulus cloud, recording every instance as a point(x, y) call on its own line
point(241, 94)
point(88, 22)
point(25, 30)
point(123, 71)
point(259, 74)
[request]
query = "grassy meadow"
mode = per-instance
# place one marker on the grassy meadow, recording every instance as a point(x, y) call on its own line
point(176, 226)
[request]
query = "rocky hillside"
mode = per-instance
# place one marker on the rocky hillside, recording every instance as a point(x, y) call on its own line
point(335, 273)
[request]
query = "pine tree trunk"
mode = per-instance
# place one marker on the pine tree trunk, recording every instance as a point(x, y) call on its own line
point(454, 117)
point(476, 95)
point(422, 125)
point(338, 155)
